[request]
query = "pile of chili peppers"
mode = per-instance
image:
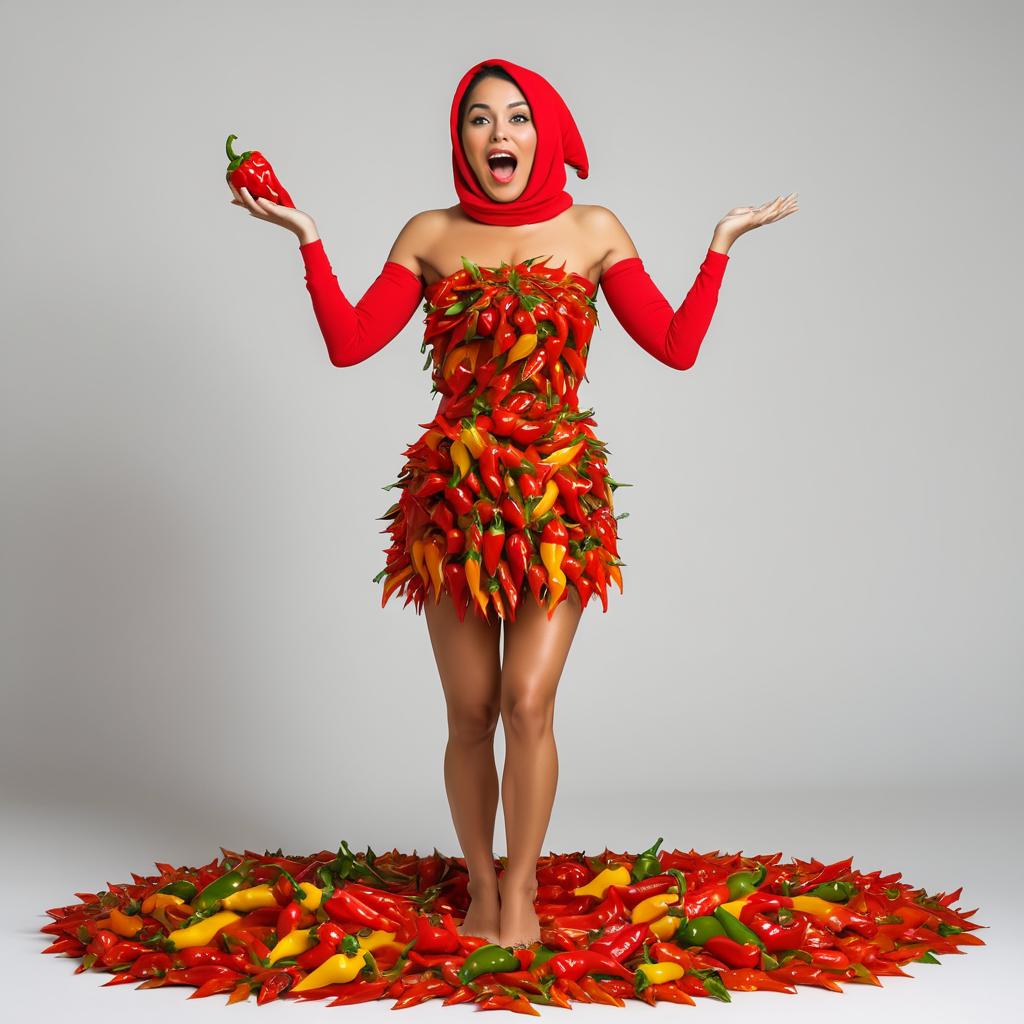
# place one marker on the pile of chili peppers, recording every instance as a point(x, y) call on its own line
point(506, 496)
point(657, 926)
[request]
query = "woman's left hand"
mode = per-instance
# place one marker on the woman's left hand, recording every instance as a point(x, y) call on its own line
point(742, 219)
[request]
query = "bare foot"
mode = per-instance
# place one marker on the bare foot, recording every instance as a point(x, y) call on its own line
point(482, 917)
point(520, 925)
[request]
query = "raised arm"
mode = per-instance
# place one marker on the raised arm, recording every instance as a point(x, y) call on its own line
point(672, 336)
point(354, 333)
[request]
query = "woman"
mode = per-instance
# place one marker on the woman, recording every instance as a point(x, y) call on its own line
point(511, 137)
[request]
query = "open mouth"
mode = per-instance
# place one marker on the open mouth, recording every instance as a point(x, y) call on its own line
point(502, 165)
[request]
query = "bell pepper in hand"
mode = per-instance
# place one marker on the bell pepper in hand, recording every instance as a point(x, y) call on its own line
point(252, 170)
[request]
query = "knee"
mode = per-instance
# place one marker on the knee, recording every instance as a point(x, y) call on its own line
point(473, 722)
point(528, 713)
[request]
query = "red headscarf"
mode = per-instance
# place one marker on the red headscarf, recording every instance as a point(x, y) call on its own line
point(558, 143)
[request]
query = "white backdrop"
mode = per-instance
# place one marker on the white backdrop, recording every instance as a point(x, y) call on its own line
point(818, 649)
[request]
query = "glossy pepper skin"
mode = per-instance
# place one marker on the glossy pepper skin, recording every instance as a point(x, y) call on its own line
point(487, 959)
point(252, 170)
point(209, 899)
point(507, 356)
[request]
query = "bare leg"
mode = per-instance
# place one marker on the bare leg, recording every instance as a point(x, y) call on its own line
point(469, 664)
point(535, 654)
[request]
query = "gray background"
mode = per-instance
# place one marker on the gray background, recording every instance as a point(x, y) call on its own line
point(818, 650)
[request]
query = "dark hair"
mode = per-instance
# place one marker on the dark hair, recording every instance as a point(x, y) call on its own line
point(487, 71)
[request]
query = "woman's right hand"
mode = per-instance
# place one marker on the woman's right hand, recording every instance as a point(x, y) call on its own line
point(299, 223)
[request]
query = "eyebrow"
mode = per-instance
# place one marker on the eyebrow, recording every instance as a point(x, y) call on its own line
point(516, 103)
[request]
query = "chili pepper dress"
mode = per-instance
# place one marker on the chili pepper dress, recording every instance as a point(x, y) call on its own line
point(506, 495)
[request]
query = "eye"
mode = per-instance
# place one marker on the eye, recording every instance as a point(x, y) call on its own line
point(482, 117)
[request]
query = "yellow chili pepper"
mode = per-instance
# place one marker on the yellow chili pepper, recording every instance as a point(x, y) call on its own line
point(336, 969)
point(158, 900)
point(435, 558)
point(472, 566)
point(599, 885)
point(432, 438)
point(314, 896)
point(551, 555)
point(563, 455)
point(613, 570)
point(460, 456)
point(453, 359)
point(665, 927)
point(524, 345)
point(666, 970)
point(548, 498)
point(473, 441)
point(202, 933)
point(735, 906)
point(392, 581)
point(653, 907)
point(294, 943)
point(124, 924)
point(378, 940)
point(416, 553)
point(815, 905)
point(253, 898)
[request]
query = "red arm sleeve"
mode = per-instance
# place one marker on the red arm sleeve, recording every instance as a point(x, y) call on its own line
point(647, 317)
point(354, 333)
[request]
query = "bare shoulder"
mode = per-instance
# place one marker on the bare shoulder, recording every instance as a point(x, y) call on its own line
point(610, 236)
point(416, 237)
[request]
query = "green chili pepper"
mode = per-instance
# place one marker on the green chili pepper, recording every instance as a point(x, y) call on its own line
point(647, 863)
point(695, 931)
point(298, 893)
point(741, 883)
point(736, 929)
point(206, 902)
point(542, 955)
point(836, 892)
point(713, 984)
point(183, 889)
point(680, 881)
point(491, 957)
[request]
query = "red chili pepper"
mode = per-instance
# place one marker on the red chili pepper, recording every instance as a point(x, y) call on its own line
point(568, 874)
point(493, 544)
point(801, 973)
point(152, 965)
point(443, 515)
point(460, 498)
point(122, 952)
point(252, 170)
point(621, 943)
point(733, 953)
point(611, 908)
point(777, 937)
point(432, 484)
point(490, 471)
point(751, 980)
point(199, 975)
point(436, 938)
point(571, 487)
point(573, 965)
point(533, 363)
point(345, 906)
point(537, 578)
point(288, 918)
